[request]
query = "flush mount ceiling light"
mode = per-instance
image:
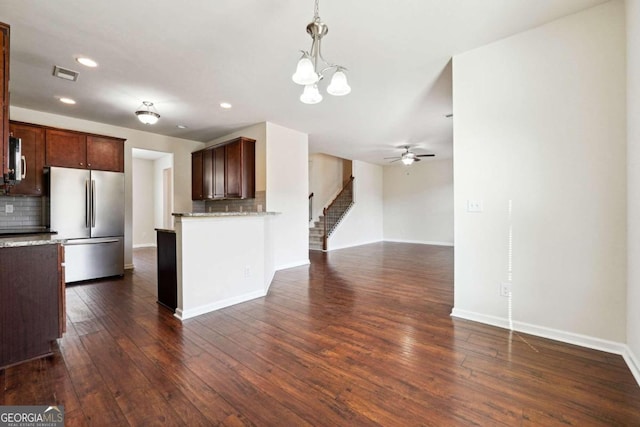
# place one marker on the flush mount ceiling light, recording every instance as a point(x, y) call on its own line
point(67, 100)
point(308, 72)
point(145, 115)
point(225, 105)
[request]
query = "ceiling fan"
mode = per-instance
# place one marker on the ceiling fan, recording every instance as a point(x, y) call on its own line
point(409, 157)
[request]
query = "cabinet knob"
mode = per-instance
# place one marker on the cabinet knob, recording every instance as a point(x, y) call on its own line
point(81, 164)
point(88, 164)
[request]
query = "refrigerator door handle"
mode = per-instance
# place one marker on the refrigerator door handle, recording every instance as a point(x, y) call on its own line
point(87, 201)
point(93, 203)
point(98, 241)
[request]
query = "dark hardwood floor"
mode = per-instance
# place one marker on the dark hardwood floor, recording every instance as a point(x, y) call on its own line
point(363, 336)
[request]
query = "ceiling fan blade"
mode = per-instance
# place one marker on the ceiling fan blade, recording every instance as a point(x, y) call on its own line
point(425, 155)
point(394, 160)
point(415, 159)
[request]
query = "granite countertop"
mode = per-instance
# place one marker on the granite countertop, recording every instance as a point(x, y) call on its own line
point(221, 214)
point(30, 240)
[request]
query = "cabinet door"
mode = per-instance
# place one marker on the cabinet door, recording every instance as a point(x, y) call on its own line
point(4, 98)
point(66, 149)
point(33, 159)
point(233, 170)
point(106, 154)
point(218, 172)
point(196, 176)
point(207, 174)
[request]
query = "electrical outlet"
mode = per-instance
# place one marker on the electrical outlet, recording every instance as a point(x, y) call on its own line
point(474, 205)
point(8, 208)
point(505, 289)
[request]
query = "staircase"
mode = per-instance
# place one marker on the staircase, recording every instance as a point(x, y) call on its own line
point(331, 217)
point(315, 234)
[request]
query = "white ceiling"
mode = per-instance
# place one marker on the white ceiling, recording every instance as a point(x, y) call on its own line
point(187, 57)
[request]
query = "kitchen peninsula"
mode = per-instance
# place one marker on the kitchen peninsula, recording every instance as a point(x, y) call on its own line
point(33, 296)
point(222, 259)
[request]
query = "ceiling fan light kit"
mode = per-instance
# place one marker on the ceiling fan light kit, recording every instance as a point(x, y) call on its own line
point(145, 115)
point(308, 72)
point(408, 157)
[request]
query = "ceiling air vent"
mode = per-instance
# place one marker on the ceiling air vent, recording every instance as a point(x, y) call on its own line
point(65, 74)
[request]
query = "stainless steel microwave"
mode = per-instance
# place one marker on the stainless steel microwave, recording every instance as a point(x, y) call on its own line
point(16, 170)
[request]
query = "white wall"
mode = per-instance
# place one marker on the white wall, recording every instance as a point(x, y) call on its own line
point(363, 223)
point(287, 173)
point(418, 202)
point(326, 175)
point(159, 165)
point(539, 120)
point(633, 183)
point(181, 148)
point(142, 203)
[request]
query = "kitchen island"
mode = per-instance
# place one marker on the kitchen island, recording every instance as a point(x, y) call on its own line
point(222, 259)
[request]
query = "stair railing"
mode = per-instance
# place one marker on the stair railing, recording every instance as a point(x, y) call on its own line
point(336, 210)
point(310, 207)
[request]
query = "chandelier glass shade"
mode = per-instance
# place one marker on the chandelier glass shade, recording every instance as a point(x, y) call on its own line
point(146, 115)
point(312, 66)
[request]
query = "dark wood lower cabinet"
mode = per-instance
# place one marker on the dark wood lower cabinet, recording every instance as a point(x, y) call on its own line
point(31, 299)
point(167, 269)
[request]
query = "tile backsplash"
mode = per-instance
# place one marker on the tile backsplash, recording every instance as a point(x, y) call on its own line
point(232, 205)
point(27, 211)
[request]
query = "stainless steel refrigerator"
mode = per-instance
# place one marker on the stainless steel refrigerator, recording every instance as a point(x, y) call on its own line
point(86, 207)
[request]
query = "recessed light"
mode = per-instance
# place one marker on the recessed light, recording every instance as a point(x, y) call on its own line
point(67, 101)
point(225, 105)
point(182, 126)
point(87, 62)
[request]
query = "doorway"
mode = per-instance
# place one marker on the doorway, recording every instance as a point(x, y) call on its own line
point(152, 195)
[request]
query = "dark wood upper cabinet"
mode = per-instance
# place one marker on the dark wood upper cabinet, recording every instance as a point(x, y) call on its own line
point(104, 153)
point(218, 172)
point(66, 149)
point(4, 97)
point(207, 174)
point(197, 176)
point(226, 171)
point(32, 137)
point(71, 149)
point(233, 169)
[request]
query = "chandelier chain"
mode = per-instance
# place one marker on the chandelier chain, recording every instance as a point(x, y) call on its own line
point(316, 13)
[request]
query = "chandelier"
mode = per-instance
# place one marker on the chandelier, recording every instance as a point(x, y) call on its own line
point(308, 72)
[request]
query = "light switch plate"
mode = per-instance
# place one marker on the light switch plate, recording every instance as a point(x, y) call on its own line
point(8, 208)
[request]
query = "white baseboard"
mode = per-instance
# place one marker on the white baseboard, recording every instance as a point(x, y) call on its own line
point(633, 362)
point(293, 264)
point(144, 245)
point(197, 311)
point(128, 266)
point(558, 335)
point(334, 248)
point(420, 242)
